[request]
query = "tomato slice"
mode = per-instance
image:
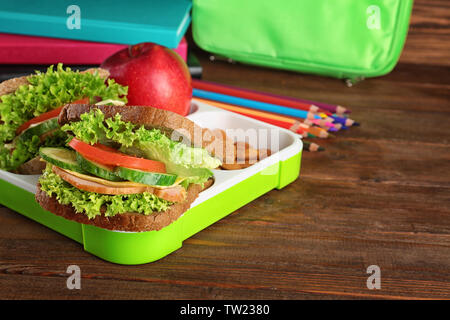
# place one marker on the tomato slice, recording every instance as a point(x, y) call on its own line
point(106, 148)
point(112, 157)
point(45, 116)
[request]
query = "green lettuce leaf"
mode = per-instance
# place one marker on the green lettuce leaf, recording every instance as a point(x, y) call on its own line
point(93, 128)
point(90, 203)
point(191, 163)
point(46, 91)
point(14, 154)
point(11, 156)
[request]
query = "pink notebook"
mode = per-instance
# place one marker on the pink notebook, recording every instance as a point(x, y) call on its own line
point(19, 49)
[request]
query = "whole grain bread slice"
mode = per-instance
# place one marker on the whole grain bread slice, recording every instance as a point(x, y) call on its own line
point(33, 166)
point(139, 115)
point(132, 222)
point(11, 85)
point(172, 124)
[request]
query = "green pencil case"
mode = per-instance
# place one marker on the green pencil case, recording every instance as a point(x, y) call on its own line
point(349, 39)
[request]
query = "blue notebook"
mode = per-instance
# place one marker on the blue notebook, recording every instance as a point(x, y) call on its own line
point(125, 22)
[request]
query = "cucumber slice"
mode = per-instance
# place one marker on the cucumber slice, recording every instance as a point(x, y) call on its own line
point(96, 169)
point(149, 178)
point(61, 157)
point(39, 129)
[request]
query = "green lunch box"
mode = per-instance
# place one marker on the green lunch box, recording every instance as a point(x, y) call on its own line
point(231, 190)
point(349, 39)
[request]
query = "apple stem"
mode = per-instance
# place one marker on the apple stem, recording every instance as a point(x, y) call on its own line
point(130, 51)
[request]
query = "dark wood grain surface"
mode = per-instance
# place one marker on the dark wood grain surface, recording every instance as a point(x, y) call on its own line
point(379, 195)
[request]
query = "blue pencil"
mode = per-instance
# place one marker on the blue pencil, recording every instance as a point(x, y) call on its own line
point(252, 104)
point(346, 122)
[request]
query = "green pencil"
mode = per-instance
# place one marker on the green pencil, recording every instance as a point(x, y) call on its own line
point(311, 146)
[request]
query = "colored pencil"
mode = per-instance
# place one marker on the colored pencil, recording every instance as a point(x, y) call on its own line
point(319, 132)
point(277, 120)
point(342, 120)
point(302, 114)
point(336, 127)
point(323, 123)
point(248, 111)
point(268, 97)
point(328, 125)
point(252, 95)
point(311, 146)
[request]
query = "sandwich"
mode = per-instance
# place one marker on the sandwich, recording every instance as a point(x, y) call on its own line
point(30, 105)
point(124, 168)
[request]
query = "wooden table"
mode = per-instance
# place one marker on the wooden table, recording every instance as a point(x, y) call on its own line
point(379, 195)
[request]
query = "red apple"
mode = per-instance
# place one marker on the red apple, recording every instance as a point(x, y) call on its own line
point(156, 76)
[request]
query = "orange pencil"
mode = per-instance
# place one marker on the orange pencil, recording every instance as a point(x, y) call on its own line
point(319, 132)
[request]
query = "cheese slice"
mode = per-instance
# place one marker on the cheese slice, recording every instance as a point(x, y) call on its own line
point(120, 184)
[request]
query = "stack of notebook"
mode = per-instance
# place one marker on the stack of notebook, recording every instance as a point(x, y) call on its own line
point(46, 31)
